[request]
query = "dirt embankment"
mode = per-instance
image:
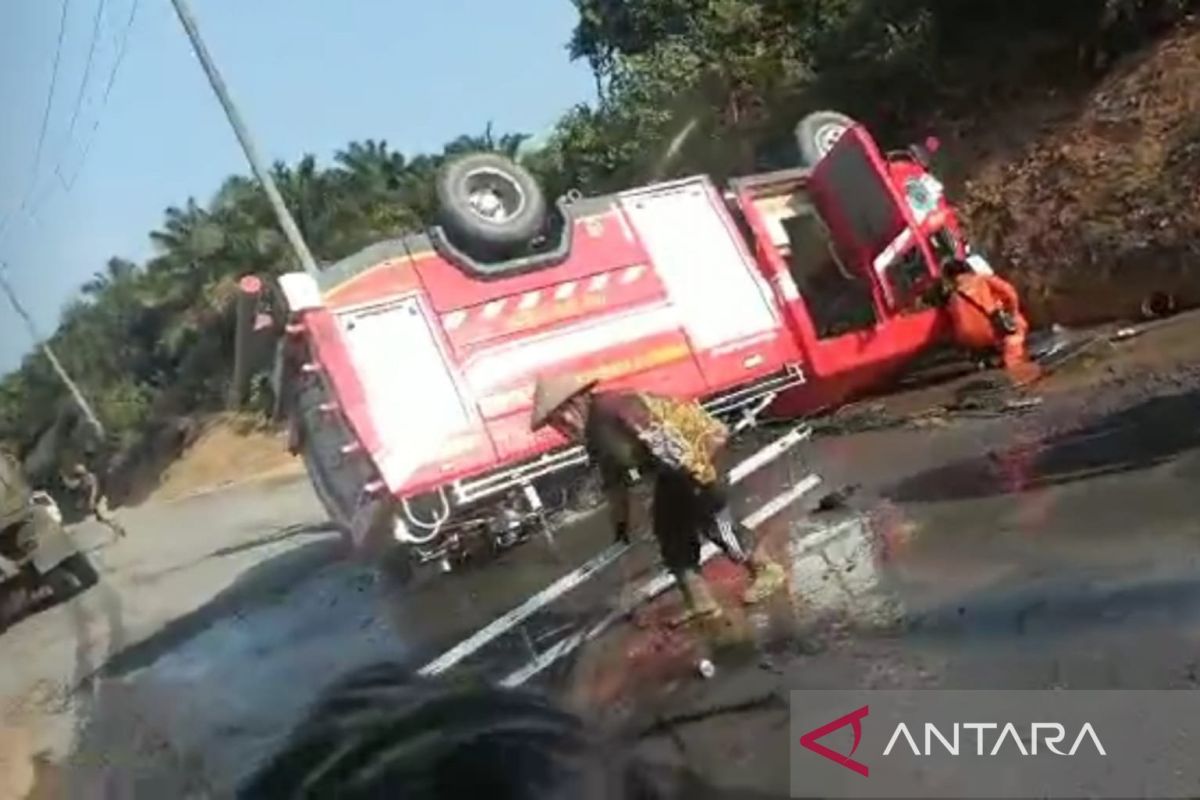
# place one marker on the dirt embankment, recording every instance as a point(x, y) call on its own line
point(218, 451)
point(1100, 206)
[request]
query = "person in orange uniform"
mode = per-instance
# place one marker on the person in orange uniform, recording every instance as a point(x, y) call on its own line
point(985, 312)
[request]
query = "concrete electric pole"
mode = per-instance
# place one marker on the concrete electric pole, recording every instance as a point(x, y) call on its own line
point(290, 229)
point(74, 389)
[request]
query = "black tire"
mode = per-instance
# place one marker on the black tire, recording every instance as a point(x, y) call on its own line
point(818, 132)
point(81, 568)
point(72, 577)
point(519, 216)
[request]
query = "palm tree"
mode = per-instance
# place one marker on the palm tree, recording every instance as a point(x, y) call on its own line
point(507, 145)
point(372, 167)
point(117, 272)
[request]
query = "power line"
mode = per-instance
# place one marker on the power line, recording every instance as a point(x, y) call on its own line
point(108, 87)
point(58, 49)
point(87, 68)
point(49, 96)
point(33, 200)
point(284, 217)
point(41, 140)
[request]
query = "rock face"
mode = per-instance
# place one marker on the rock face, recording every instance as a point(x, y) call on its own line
point(1100, 209)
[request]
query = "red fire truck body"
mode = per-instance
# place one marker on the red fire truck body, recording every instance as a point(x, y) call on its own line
point(413, 366)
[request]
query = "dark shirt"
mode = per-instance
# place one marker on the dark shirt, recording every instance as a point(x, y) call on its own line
point(643, 432)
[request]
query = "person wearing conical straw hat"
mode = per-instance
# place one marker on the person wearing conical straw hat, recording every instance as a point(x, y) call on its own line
point(681, 445)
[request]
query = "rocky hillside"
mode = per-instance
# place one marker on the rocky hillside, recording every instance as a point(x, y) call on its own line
point(1100, 208)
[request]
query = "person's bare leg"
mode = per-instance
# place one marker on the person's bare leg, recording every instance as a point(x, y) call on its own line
point(698, 600)
point(105, 517)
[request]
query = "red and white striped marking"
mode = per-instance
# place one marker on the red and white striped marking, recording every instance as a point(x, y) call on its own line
point(483, 321)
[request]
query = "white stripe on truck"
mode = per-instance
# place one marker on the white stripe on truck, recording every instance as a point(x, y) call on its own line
point(494, 367)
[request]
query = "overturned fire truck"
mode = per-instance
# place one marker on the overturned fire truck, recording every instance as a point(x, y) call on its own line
point(408, 369)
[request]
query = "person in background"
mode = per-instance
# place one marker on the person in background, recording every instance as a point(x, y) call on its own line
point(379, 733)
point(985, 312)
point(682, 446)
point(83, 483)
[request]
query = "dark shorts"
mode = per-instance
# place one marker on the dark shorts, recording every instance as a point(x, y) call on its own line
point(685, 514)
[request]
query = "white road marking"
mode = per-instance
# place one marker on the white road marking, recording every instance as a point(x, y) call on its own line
point(782, 501)
point(647, 591)
point(769, 453)
point(508, 621)
point(571, 580)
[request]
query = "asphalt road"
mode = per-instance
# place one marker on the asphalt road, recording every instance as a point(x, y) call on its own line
point(1056, 547)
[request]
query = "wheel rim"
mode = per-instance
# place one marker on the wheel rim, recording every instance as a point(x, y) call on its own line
point(828, 135)
point(493, 196)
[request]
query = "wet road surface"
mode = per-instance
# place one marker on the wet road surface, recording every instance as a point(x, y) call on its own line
point(1057, 548)
point(993, 556)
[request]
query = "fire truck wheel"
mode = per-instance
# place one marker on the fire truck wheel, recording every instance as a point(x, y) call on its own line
point(818, 133)
point(489, 203)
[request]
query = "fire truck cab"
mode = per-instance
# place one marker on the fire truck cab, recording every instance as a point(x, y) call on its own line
point(408, 369)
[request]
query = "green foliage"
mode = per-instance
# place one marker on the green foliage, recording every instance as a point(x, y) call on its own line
point(683, 86)
point(156, 339)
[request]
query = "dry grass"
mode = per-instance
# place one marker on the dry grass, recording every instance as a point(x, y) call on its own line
point(230, 449)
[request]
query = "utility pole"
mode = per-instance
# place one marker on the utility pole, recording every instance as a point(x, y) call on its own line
point(290, 230)
point(80, 400)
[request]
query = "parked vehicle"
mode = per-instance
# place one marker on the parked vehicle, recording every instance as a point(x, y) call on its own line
point(39, 561)
point(409, 367)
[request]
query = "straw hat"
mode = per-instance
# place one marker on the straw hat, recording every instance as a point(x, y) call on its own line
point(552, 392)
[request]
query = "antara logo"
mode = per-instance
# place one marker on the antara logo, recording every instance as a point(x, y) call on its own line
point(1037, 730)
point(1044, 735)
point(854, 719)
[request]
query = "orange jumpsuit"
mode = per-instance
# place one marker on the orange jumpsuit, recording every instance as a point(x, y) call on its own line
point(974, 299)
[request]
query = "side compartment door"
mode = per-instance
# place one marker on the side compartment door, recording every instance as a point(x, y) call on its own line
point(723, 301)
point(410, 389)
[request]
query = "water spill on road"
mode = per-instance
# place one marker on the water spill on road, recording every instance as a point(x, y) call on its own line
point(837, 568)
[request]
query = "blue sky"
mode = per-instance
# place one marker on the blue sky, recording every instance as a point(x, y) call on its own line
point(309, 75)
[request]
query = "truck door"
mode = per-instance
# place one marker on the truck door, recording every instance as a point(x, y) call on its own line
point(869, 221)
